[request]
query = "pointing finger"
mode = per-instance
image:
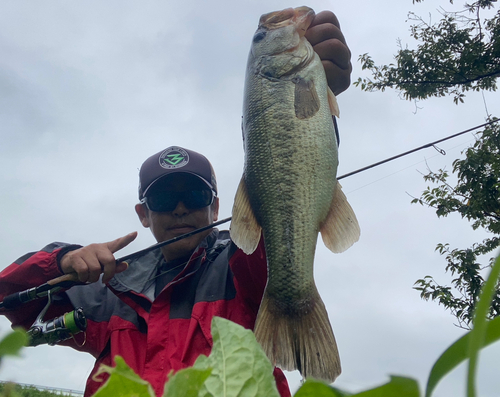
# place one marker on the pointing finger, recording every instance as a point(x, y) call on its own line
point(121, 242)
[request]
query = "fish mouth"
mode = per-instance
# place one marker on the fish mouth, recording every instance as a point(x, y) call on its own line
point(301, 17)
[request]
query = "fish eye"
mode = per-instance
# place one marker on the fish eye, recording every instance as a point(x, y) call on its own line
point(259, 37)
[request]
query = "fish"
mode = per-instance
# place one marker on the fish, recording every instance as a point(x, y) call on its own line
point(289, 192)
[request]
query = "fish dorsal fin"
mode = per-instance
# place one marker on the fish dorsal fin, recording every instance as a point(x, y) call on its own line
point(340, 229)
point(306, 98)
point(245, 230)
point(332, 102)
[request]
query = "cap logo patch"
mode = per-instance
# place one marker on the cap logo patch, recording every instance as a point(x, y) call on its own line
point(174, 157)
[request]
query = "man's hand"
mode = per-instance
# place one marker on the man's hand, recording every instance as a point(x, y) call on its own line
point(90, 261)
point(327, 39)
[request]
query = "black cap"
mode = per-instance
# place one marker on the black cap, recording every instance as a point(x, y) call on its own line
point(174, 160)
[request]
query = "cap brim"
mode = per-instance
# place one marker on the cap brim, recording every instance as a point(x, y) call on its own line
point(177, 173)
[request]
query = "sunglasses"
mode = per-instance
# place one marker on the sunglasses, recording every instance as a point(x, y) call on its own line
point(168, 201)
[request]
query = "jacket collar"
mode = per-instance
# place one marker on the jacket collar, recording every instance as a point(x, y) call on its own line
point(139, 277)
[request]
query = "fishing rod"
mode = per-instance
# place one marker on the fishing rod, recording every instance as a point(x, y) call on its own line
point(70, 324)
point(68, 280)
point(171, 241)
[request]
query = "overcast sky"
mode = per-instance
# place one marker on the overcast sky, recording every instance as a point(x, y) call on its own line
point(89, 90)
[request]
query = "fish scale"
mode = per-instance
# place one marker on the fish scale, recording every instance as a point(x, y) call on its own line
point(294, 192)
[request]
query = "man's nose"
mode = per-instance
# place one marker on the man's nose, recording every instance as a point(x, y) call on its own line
point(180, 209)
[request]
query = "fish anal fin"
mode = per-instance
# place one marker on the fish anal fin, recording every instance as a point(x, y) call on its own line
point(300, 340)
point(340, 229)
point(245, 230)
point(306, 98)
point(332, 102)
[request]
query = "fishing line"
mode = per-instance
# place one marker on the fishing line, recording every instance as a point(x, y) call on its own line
point(410, 166)
point(432, 144)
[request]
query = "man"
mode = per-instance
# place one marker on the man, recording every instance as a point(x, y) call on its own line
point(156, 311)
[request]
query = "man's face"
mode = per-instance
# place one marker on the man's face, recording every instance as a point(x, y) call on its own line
point(182, 220)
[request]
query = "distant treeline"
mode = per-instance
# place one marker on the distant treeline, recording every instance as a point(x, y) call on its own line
point(8, 389)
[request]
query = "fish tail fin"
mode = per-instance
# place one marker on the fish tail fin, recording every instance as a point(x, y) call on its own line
point(300, 340)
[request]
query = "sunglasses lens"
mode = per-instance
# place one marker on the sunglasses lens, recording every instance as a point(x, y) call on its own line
point(161, 203)
point(168, 201)
point(195, 199)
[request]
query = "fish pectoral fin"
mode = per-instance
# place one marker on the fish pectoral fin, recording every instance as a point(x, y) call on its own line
point(306, 98)
point(245, 230)
point(332, 102)
point(340, 229)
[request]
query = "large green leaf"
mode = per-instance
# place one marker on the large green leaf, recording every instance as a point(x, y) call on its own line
point(186, 383)
point(398, 386)
point(478, 332)
point(123, 381)
point(314, 388)
point(12, 343)
point(459, 351)
point(240, 367)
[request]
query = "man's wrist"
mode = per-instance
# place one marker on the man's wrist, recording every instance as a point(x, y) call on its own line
point(63, 252)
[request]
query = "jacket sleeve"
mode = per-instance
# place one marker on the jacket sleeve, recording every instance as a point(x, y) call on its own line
point(250, 273)
point(32, 270)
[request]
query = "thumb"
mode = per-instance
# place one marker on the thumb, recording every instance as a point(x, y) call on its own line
point(121, 242)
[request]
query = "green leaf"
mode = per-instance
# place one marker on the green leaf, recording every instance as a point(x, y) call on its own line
point(123, 381)
point(240, 366)
point(186, 383)
point(478, 333)
point(398, 386)
point(12, 343)
point(314, 388)
point(457, 353)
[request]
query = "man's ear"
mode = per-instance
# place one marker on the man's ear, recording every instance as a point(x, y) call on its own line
point(216, 208)
point(142, 212)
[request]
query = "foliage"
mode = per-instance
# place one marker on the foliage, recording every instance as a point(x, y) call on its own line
point(122, 382)
point(476, 197)
point(15, 390)
point(12, 343)
point(459, 53)
point(237, 365)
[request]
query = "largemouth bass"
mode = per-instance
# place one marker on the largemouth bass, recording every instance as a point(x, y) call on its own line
point(289, 191)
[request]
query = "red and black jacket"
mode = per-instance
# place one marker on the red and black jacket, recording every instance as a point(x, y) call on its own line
point(154, 336)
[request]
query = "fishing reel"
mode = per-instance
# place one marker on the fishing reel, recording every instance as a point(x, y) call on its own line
point(58, 329)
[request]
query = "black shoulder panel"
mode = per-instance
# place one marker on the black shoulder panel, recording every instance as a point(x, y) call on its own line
point(99, 303)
